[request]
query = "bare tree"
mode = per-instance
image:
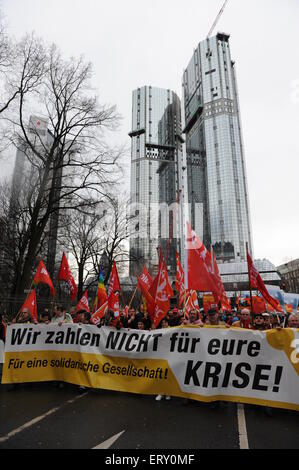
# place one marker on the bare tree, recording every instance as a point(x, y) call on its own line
point(113, 242)
point(79, 233)
point(15, 222)
point(71, 162)
point(22, 67)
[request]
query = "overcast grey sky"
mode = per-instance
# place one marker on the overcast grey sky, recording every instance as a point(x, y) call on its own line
point(136, 42)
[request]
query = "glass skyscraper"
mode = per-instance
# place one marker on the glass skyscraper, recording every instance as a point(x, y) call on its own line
point(156, 143)
point(215, 155)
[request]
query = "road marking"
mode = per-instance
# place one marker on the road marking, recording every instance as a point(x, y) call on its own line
point(243, 437)
point(38, 419)
point(109, 443)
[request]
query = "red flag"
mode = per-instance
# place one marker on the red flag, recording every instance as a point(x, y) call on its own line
point(289, 308)
point(83, 304)
point(66, 275)
point(113, 304)
point(259, 305)
point(114, 285)
point(98, 315)
point(146, 278)
point(31, 304)
point(256, 282)
point(148, 297)
point(208, 301)
point(42, 277)
point(164, 292)
point(126, 311)
point(180, 280)
point(192, 304)
point(221, 294)
point(200, 273)
point(154, 286)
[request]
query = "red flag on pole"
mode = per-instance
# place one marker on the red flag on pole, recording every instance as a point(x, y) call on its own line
point(146, 278)
point(42, 277)
point(31, 304)
point(257, 283)
point(200, 273)
point(83, 304)
point(66, 275)
point(146, 294)
point(114, 285)
point(192, 304)
point(154, 286)
point(163, 294)
point(98, 315)
point(222, 297)
point(113, 304)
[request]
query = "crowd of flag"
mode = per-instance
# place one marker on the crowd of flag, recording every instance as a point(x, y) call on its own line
point(203, 277)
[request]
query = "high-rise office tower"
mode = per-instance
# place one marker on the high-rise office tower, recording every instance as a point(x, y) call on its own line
point(215, 155)
point(156, 144)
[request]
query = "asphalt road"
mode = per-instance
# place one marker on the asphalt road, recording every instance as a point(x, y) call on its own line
point(44, 416)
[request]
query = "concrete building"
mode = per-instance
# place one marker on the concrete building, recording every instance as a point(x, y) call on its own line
point(290, 275)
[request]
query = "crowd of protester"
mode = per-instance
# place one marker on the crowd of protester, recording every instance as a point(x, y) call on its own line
point(139, 319)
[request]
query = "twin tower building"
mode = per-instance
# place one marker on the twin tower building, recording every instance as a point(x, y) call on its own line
point(187, 162)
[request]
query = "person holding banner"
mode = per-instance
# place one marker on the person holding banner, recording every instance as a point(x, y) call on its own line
point(82, 318)
point(2, 329)
point(258, 322)
point(267, 321)
point(293, 321)
point(193, 319)
point(61, 316)
point(132, 322)
point(24, 317)
point(245, 320)
point(213, 317)
point(2, 341)
point(45, 317)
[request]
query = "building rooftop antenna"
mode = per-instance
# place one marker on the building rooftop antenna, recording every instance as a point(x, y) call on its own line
point(217, 19)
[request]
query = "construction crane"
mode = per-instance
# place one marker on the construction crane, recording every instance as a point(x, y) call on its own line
point(217, 19)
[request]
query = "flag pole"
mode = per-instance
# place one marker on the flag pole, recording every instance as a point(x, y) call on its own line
point(250, 288)
point(133, 297)
point(19, 312)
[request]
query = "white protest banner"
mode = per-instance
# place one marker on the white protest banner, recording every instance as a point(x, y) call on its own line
point(204, 364)
point(1, 351)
